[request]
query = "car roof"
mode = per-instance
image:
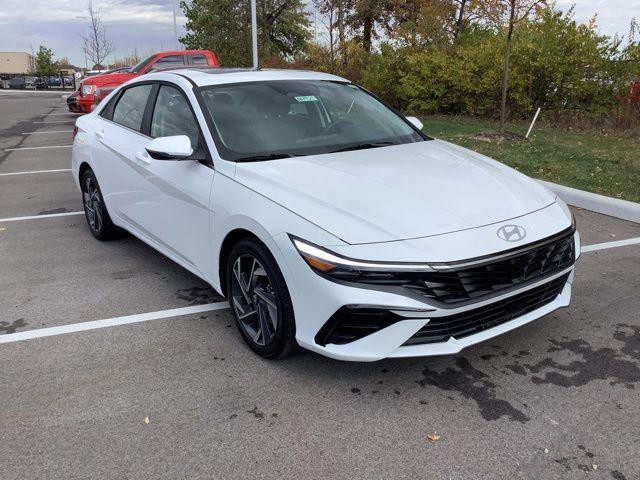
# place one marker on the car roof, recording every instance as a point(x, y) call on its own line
point(203, 77)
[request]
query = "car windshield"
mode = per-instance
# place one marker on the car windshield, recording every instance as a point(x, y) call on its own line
point(267, 120)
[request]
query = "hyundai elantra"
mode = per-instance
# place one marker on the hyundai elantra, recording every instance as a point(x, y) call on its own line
point(328, 219)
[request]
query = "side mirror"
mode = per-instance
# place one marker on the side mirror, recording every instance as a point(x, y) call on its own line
point(177, 147)
point(415, 122)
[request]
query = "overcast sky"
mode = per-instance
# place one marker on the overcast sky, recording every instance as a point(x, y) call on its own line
point(147, 25)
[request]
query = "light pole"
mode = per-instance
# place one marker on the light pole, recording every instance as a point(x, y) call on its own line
point(254, 34)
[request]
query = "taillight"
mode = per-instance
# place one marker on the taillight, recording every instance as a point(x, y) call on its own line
point(75, 131)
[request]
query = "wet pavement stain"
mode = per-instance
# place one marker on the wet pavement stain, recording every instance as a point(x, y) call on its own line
point(12, 327)
point(256, 413)
point(55, 210)
point(617, 475)
point(473, 384)
point(123, 274)
point(619, 366)
point(198, 295)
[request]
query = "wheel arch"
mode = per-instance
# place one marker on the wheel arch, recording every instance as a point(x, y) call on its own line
point(84, 166)
point(232, 237)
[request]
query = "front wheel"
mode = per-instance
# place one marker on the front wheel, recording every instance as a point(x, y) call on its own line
point(260, 300)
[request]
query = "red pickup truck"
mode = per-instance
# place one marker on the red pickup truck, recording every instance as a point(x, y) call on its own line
point(106, 82)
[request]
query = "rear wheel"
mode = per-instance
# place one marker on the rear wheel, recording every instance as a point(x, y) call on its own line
point(260, 300)
point(95, 210)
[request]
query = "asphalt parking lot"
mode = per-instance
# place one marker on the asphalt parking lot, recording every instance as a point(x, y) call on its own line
point(163, 393)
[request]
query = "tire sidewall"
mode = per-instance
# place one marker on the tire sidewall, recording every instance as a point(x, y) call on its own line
point(102, 233)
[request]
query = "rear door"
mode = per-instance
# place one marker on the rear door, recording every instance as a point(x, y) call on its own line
point(118, 138)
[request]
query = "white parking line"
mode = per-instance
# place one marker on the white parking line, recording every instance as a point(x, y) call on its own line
point(56, 121)
point(35, 171)
point(36, 148)
point(37, 217)
point(111, 322)
point(65, 113)
point(177, 312)
point(52, 131)
point(616, 244)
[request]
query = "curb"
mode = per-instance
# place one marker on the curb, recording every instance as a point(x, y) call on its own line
point(613, 207)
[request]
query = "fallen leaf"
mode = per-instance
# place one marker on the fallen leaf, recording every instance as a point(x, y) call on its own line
point(146, 420)
point(546, 450)
point(595, 467)
point(433, 437)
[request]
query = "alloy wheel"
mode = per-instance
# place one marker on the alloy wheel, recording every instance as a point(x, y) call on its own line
point(92, 204)
point(253, 300)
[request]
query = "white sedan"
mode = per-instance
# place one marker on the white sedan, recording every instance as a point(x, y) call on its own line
point(328, 219)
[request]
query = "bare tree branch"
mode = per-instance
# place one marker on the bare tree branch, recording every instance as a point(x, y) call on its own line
point(95, 43)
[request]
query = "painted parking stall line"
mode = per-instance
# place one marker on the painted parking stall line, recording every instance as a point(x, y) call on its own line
point(178, 312)
point(606, 245)
point(57, 121)
point(43, 133)
point(111, 322)
point(36, 148)
point(39, 217)
point(35, 171)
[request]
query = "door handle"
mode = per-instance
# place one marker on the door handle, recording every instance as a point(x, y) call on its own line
point(143, 156)
point(100, 134)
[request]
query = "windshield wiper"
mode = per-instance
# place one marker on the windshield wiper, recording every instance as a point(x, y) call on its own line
point(362, 146)
point(268, 156)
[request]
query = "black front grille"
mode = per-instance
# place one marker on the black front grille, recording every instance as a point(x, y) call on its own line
point(470, 283)
point(352, 323)
point(461, 325)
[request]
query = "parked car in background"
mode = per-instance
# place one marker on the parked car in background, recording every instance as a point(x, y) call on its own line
point(54, 82)
point(71, 102)
point(17, 83)
point(157, 61)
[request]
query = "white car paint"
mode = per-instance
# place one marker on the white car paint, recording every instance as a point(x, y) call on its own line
point(420, 202)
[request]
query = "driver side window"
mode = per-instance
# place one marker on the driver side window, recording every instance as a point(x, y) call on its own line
point(130, 107)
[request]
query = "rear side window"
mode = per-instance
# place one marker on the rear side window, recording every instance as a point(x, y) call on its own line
point(130, 107)
point(172, 116)
point(199, 59)
point(167, 62)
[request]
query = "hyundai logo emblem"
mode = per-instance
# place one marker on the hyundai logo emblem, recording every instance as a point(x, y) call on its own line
point(511, 233)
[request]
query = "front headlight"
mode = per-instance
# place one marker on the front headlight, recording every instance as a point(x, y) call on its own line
point(88, 89)
point(334, 265)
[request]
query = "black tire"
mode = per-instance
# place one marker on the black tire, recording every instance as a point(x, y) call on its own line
point(95, 210)
point(262, 290)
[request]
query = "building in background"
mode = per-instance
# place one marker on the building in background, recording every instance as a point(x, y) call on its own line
point(17, 63)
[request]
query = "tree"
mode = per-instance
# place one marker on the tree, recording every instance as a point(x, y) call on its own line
point(45, 66)
point(224, 26)
point(506, 14)
point(335, 13)
point(95, 44)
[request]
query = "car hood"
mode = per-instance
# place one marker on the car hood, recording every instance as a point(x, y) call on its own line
point(108, 79)
point(398, 192)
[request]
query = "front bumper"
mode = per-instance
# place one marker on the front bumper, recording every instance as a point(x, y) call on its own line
point(316, 299)
point(84, 103)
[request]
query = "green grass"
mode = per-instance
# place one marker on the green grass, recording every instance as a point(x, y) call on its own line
point(601, 162)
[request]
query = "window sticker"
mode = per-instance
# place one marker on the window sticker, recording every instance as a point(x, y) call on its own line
point(307, 98)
